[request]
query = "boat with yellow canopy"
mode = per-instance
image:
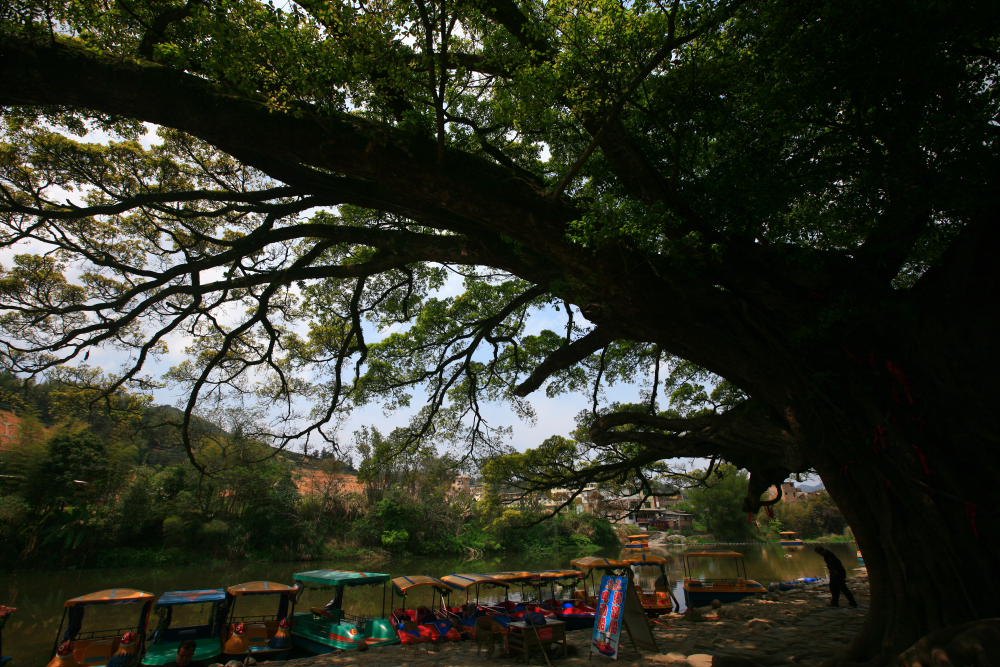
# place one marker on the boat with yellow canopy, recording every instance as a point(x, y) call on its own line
point(123, 616)
point(530, 583)
point(790, 540)
point(637, 542)
point(266, 633)
point(561, 597)
point(465, 616)
point(652, 583)
point(590, 565)
point(700, 591)
point(423, 623)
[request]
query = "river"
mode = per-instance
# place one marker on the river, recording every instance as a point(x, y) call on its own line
point(39, 595)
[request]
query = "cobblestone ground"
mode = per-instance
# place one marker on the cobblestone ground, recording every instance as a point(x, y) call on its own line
point(798, 627)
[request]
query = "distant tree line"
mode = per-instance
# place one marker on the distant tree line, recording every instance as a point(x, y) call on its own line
point(95, 482)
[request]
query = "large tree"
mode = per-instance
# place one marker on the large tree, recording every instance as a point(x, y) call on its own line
point(798, 196)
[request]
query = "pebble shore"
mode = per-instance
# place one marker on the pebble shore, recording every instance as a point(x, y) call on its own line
point(796, 627)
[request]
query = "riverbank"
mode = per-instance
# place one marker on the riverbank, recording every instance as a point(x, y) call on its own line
point(797, 627)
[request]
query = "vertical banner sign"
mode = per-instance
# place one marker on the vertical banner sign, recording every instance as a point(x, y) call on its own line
point(610, 611)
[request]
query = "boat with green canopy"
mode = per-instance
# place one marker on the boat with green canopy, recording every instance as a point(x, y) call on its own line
point(327, 628)
point(183, 616)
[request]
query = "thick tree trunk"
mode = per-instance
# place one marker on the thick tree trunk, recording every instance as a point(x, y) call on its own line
point(924, 515)
point(905, 435)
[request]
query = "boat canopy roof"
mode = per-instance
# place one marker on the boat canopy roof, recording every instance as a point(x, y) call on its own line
point(333, 578)
point(639, 536)
point(788, 532)
point(647, 559)
point(550, 575)
point(464, 581)
point(595, 562)
point(713, 554)
point(261, 588)
point(404, 585)
point(111, 596)
point(523, 575)
point(172, 598)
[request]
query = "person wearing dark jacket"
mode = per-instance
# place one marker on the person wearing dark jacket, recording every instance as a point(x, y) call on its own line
point(838, 577)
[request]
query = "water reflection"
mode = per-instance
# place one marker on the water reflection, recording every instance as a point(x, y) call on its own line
point(40, 595)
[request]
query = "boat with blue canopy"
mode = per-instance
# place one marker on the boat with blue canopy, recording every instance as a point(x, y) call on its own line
point(182, 616)
point(121, 613)
point(327, 628)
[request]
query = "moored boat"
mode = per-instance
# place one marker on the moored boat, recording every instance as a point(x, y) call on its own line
point(261, 635)
point(700, 591)
point(652, 583)
point(94, 643)
point(5, 613)
point(790, 540)
point(529, 583)
point(423, 623)
point(561, 598)
point(328, 628)
point(794, 583)
point(592, 565)
point(465, 615)
point(183, 616)
point(638, 542)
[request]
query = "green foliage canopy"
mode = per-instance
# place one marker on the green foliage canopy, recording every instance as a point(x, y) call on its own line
point(358, 202)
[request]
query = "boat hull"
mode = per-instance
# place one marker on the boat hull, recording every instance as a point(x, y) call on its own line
point(161, 653)
point(577, 621)
point(700, 594)
point(314, 633)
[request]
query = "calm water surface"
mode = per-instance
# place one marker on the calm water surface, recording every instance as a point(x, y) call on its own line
point(40, 595)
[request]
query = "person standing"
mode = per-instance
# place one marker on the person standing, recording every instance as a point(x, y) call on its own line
point(838, 577)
